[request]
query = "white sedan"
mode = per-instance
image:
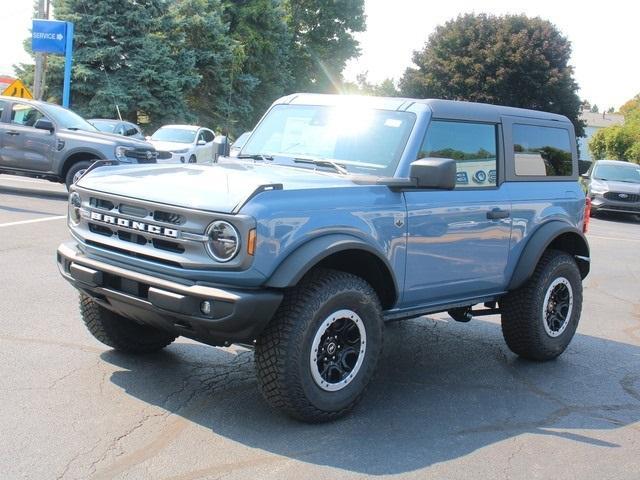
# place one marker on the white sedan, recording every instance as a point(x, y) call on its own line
point(185, 143)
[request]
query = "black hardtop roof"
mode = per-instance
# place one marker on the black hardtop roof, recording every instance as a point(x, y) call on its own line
point(440, 108)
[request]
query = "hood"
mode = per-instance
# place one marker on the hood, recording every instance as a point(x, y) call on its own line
point(221, 187)
point(169, 146)
point(106, 138)
point(622, 187)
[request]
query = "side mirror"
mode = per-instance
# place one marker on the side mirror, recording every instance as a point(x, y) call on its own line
point(437, 173)
point(585, 176)
point(201, 143)
point(221, 147)
point(44, 124)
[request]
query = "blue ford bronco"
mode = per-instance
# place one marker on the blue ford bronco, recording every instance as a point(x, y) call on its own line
point(338, 215)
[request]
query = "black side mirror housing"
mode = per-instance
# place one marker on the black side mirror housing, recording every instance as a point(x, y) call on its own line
point(438, 173)
point(221, 147)
point(44, 124)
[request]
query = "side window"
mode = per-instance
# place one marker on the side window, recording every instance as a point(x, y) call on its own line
point(208, 136)
point(130, 130)
point(120, 129)
point(25, 115)
point(3, 104)
point(471, 145)
point(542, 151)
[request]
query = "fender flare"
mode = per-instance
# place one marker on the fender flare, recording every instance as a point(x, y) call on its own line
point(540, 241)
point(79, 150)
point(299, 262)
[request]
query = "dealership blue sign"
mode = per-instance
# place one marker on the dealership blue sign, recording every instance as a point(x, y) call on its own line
point(49, 36)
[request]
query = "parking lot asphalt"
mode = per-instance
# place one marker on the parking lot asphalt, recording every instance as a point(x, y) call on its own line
point(450, 400)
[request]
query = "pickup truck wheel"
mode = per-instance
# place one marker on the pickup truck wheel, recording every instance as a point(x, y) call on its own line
point(321, 349)
point(119, 332)
point(75, 172)
point(540, 318)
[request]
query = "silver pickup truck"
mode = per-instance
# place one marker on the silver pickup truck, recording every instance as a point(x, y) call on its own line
point(43, 140)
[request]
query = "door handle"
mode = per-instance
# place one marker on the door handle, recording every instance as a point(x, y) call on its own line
point(12, 132)
point(497, 213)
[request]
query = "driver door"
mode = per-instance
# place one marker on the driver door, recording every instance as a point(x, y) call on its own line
point(24, 146)
point(458, 240)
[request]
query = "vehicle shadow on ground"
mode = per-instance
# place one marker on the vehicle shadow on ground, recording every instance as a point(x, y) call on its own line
point(443, 390)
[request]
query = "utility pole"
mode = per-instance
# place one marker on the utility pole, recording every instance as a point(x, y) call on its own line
point(39, 71)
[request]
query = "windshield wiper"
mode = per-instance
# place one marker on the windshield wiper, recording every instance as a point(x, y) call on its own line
point(256, 156)
point(321, 162)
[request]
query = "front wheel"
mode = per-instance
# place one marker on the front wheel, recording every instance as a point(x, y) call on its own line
point(540, 318)
point(321, 349)
point(119, 332)
point(75, 172)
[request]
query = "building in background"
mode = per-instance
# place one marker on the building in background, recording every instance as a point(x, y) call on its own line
point(595, 121)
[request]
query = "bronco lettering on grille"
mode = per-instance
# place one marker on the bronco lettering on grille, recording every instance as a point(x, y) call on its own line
point(134, 225)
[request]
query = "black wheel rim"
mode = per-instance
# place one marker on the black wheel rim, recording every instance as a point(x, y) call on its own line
point(338, 350)
point(558, 306)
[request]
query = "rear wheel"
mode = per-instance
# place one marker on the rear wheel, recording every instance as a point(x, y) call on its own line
point(76, 171)
point(540, 318)
point(119, 332)
point(321, 349)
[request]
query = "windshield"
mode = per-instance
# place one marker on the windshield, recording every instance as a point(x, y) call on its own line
point(618, 173)
point(67, 119)
point(363, 140)
point(177, 135)
point(103, 126)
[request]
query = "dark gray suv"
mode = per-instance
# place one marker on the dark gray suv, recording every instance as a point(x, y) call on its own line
point(44, 140)
point(614, 186)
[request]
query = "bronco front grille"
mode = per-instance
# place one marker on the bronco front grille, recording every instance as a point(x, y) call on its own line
point(162, 233)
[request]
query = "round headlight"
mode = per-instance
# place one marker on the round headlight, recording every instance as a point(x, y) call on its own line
point(75, 203)
point(224, 241)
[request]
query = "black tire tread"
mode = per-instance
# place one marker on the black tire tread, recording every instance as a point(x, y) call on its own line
point(274, 346)
point(520, 306)
point(120, 333)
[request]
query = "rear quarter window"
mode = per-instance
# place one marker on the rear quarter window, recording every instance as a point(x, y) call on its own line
point(542, 151)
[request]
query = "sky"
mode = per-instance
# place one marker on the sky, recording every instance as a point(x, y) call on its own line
point(604, 36)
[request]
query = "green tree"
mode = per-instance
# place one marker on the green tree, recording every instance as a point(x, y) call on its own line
point(594, 109)
point(620, 142)
point(128, 54)
point(509, 60)
point(259, 30)
point(322, 41)
point(362, 86)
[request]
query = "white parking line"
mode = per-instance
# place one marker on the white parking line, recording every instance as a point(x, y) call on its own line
point(35, 220)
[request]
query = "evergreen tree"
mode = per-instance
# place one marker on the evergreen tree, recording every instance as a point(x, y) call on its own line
point(128, 54)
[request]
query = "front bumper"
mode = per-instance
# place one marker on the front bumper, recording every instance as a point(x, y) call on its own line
point(602, 204)
point(236, 316)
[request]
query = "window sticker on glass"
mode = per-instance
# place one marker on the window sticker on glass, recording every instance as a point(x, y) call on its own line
point(393, 122)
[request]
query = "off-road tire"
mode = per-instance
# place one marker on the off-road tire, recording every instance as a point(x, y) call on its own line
point(283, 349)
point(119, 332)
point(75, 168)
point(522, 316)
